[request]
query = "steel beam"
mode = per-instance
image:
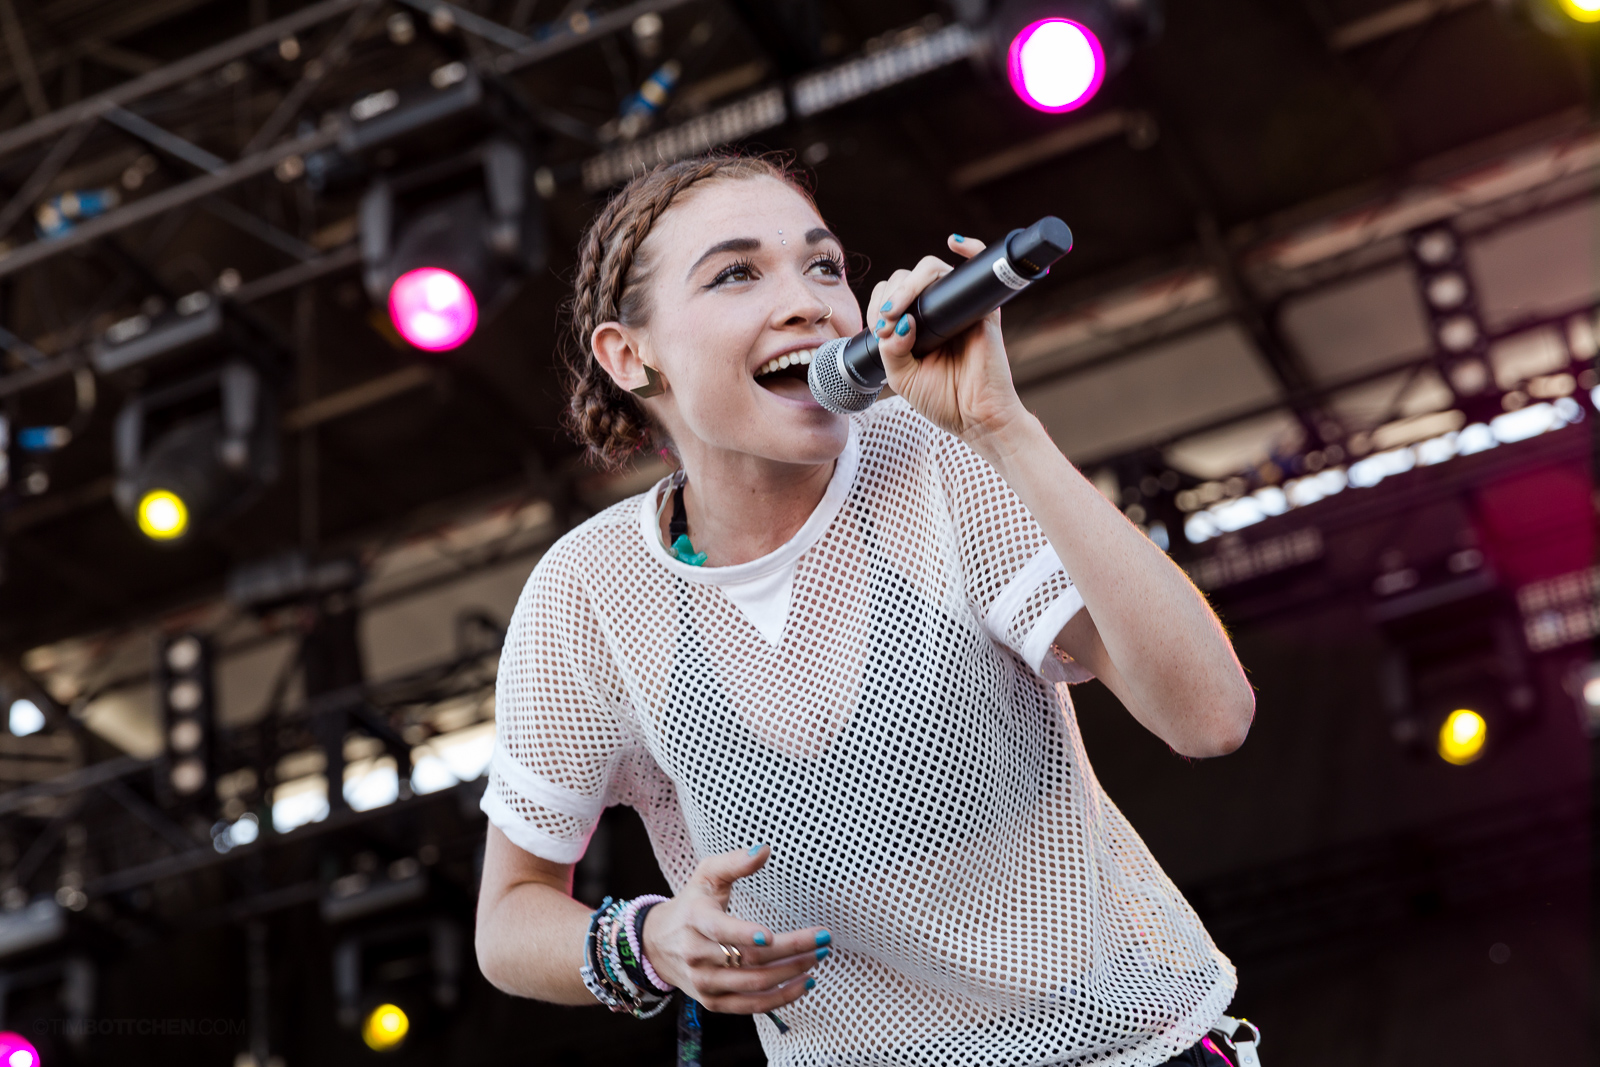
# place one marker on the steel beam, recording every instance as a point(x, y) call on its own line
point(156, 204)
point(172, 74)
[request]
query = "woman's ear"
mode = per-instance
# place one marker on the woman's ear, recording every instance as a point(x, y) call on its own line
point(617, 349)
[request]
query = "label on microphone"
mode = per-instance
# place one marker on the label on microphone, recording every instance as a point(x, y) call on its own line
point(1008, 277)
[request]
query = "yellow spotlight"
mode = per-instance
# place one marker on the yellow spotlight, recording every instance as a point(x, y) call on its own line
point(162, 515)
point(1462, 736)
point(385, 1027)
point(1582, 10)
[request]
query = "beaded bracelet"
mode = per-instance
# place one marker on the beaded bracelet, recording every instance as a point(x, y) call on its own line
point(633, 930)
point(609, 957)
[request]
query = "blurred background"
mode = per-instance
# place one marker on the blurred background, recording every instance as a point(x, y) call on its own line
point(280, 441)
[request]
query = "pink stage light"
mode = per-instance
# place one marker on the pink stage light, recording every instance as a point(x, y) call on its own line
point(1056, 65)
point(17, 1051)
point(432, 309)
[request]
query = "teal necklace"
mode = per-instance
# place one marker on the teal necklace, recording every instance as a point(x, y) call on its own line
point(679, 546)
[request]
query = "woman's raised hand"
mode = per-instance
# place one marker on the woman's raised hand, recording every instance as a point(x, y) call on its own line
point(964, 387)
point(683, 941)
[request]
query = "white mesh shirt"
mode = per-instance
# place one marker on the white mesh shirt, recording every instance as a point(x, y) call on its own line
point(880, 702)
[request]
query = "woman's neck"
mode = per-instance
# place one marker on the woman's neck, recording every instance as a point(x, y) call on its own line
point(742, 507)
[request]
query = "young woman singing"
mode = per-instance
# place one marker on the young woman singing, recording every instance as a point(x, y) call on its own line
point(827, 662)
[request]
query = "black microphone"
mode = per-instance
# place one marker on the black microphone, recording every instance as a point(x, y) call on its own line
point(847, 373)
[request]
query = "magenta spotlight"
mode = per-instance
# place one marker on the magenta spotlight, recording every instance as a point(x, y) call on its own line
point(433, 309)
point(1056, 65)
point(17, 1051)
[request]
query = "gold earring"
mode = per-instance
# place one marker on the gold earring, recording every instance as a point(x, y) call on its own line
point(829, 315)
point(654, 384)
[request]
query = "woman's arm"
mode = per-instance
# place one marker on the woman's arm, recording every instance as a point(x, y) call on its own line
point(530, 935)
point(1146, 631)
point(530, 930)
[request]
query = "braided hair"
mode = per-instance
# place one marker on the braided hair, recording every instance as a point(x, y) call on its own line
point(610, 286)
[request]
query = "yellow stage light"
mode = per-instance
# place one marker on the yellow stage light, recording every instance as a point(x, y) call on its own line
point(1582, 10)
point(385, 1027)
point(1462, 736)
point(162, 515)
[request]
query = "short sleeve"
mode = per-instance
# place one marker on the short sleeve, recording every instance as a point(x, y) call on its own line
point(558, 727)
point(1014, 580)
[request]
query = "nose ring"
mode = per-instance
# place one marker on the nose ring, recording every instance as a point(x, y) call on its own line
point(828, 316)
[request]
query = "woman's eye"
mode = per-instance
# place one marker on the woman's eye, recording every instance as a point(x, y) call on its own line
point(737, 272)
point(829, 266)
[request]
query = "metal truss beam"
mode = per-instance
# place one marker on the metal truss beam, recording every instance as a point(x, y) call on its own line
point(171, 74)
point(159, 203)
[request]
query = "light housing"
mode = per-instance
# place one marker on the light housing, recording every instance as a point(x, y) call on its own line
point(162, 515)
point(441, 252)
point(196, 452)
point(1581, 10)
point(1056, 54)
point(433, 309)
point(385, 1027)
point(1462, 737)
point(1056, 65)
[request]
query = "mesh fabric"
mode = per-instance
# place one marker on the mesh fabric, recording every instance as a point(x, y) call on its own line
point(908, 747)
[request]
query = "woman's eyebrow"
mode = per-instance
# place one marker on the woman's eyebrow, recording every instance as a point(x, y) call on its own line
point(733, 244)
point(818, 234)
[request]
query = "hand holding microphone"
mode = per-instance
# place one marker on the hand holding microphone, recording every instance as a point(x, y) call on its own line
point(848, 373)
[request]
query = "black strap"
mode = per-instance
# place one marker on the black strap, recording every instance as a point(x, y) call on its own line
point(678, 526)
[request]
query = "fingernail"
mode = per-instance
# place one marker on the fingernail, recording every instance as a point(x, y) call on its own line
point(903, 327)
point(761, 939)
point(824, 953)
point(824, 938)
point(958, 237)
point(879, 326)
point(754, 849)
point(888, 305)
point(811, 983)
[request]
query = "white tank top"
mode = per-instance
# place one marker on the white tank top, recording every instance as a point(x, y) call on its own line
point(878, 700)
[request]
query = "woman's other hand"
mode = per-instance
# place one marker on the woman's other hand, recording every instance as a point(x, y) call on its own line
point(683, 940)
point(964, 387)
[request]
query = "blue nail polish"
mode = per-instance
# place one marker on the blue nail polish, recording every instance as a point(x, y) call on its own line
point(879, 326)
point(903, 327)
point(959, 239)
point(754, 849)
point(887, 305)
point(824, 953)
point(761, 939)
point(824, 938)
point(811, 983)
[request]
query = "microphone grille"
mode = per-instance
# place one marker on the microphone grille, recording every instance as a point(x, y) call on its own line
point(830, 385)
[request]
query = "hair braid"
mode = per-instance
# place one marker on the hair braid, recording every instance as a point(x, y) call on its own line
point(608, 286)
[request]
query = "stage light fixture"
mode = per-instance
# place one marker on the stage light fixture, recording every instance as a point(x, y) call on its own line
point(1582, 10)
point(1056, 65)
point(439, 253)
point(433, 309)
point(162, 515)
point(1462, 737)
point(216, 448)
point(184, 687)
point(17, 1051)
point(25, 718)
point(1058, 53)
point(385, 1027)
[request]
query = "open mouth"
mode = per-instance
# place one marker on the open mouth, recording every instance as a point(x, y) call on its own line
point(792, 366)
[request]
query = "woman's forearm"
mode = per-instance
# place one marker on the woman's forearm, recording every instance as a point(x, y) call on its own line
point(1175, 661)
point(530, 931)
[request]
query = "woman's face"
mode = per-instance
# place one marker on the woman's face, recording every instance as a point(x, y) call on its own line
point(743, 272)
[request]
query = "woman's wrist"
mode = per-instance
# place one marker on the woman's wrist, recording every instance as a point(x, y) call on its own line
point(1004, 437)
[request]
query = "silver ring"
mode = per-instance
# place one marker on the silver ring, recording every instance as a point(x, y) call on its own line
point(829, 315)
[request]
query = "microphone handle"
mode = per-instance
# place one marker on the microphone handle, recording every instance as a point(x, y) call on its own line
point(946, 308)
